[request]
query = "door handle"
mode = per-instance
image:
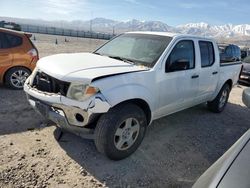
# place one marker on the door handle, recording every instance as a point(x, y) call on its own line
point(215, 73)
point(195, 76)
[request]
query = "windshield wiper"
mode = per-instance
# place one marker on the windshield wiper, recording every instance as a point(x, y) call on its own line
point(96, 53)
point(123, 59)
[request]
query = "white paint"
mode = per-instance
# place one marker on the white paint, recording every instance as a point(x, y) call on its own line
point(165, 93)
point(82, 67)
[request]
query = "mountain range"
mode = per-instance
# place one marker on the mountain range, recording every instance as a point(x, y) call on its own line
point(113, 26)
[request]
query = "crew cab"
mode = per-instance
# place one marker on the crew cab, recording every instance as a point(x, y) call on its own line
point(114, 93)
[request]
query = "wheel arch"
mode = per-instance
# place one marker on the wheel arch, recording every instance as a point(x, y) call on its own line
point(142, 104)
point(9, 69)
point(229, 82)
point(220, 86)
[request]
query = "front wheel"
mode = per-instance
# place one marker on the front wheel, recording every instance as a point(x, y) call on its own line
point(120, 131)
point(219, 103)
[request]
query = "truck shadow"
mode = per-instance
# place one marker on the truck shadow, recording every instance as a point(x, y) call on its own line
point(176, 150)
point(16, 115)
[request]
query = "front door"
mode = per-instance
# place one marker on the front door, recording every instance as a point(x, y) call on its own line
point(179, 82)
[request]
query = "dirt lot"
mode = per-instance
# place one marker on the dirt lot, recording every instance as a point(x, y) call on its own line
point(176, 150)
point(46, 44)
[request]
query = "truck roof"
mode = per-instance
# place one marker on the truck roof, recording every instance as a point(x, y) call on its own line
point(169, 34)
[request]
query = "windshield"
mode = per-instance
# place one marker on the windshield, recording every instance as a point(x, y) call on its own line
point(140, 49)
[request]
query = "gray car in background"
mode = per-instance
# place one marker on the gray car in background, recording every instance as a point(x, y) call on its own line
point(229, 53)
point(245, 73)
point(232, 170)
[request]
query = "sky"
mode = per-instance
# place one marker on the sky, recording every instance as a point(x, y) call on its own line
point(172, 12)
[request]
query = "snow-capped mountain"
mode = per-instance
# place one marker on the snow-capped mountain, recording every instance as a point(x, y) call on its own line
point(106, 25)
point(110, 26)
point(242, 29)
point(205, 29)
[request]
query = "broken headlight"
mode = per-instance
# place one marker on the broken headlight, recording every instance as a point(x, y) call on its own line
point(81, 92)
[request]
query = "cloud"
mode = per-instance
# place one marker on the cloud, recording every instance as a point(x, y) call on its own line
point(136, 2)
point(132, 1)
point(190, 5)
point(62, 7)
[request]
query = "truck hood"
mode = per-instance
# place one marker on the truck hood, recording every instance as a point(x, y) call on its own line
point(83, 67)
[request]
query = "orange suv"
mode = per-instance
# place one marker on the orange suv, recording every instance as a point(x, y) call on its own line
point(18, 57)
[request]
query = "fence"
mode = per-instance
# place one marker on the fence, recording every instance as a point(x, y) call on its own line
point(65, 32)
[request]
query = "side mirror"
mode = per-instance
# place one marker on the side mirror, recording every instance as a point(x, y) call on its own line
point(178, 65)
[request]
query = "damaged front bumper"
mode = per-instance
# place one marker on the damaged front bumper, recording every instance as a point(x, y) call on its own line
point(68, 114)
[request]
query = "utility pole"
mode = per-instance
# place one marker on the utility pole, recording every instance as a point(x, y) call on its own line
point(113, 30)
point(91, 22)
point(90, 26)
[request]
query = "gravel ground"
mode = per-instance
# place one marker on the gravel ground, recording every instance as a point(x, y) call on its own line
point(46, 44)
point(176, 150)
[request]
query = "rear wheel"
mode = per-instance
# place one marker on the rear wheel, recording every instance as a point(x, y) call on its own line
point(219, 103)
point(16, 77)
point(120, 131)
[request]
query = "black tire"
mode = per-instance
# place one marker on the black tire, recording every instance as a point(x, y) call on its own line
point(216, 105)
point(58, 133)
point(9, 77)
point(109, 123)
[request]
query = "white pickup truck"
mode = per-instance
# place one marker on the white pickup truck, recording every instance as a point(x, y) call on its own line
point(114, 93)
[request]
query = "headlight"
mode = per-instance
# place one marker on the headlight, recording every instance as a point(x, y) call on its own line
point(81, 92)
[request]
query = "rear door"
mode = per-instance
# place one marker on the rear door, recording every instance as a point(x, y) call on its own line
point(6, 57)
point(208, 70)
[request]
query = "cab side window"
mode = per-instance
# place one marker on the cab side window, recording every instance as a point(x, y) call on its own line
point(207, 53)
point(182, 57)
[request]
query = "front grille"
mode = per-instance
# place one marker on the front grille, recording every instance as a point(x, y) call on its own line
point(46, 83)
